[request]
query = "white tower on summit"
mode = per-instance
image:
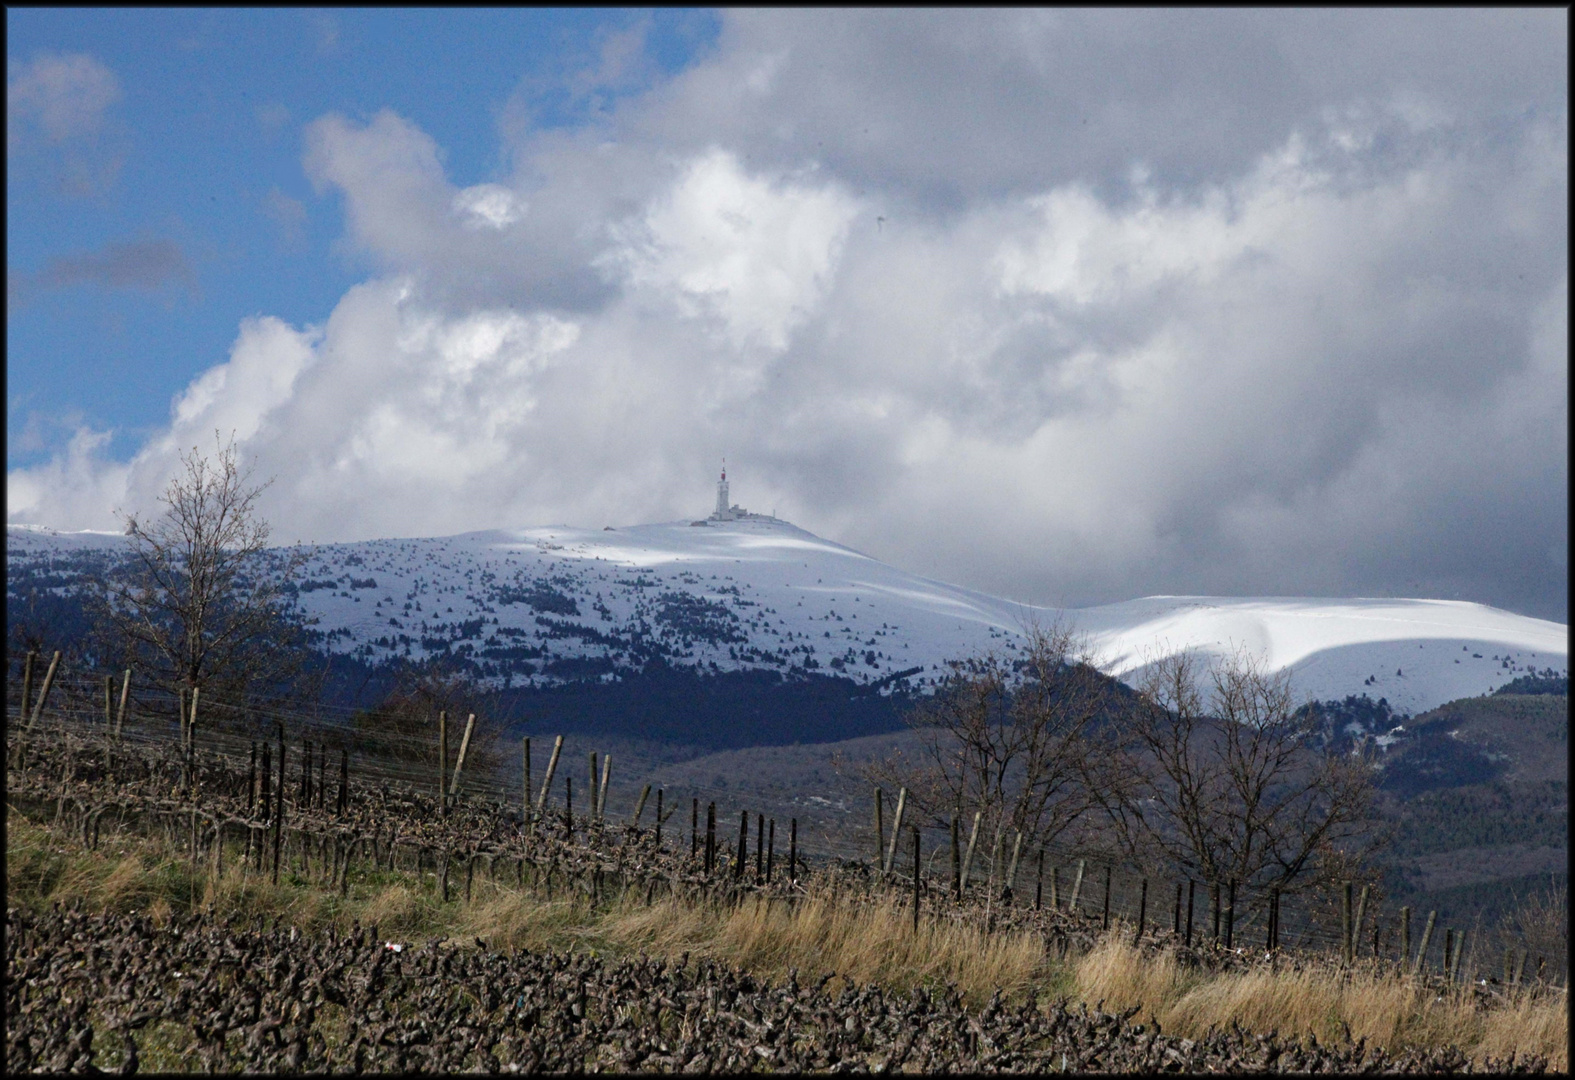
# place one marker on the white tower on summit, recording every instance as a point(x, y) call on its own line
point(723, 509)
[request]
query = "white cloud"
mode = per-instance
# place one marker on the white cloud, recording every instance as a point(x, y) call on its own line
point(57, 112)
point(757, 254)
point(65, 95)
point(1254, 330)
point(488, 206)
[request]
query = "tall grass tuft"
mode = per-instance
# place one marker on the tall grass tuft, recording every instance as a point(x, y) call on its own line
point(819, 935)
point(1324, 1000)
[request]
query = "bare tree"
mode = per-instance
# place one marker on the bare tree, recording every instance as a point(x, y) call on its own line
point(1017, 741)
point(203, 602)
point(1225, 780)
point(1540, 923)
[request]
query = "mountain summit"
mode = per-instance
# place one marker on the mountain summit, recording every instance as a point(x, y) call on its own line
point(544, 606)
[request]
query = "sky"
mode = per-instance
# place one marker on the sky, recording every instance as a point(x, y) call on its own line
point(1066, 306)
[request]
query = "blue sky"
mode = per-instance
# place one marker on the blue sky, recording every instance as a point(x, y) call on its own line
point(1069, 306)
point(198, 157)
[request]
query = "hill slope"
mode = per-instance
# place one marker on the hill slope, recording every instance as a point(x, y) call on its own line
point(545, 606)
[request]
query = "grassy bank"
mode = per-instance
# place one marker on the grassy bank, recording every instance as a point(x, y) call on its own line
point(1323, 1000)
point(817, 935)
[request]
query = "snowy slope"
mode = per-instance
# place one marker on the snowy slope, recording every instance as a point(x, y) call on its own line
point(554, 603)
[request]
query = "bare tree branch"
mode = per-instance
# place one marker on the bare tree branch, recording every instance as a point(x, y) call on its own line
point(1226, 783)
point(1014, 740)
point(205, 601)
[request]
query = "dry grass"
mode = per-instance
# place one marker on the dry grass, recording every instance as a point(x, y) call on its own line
point(818, 934)
point(1387, 1010)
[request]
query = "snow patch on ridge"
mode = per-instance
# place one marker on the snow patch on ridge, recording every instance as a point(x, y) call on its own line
point(554, 603)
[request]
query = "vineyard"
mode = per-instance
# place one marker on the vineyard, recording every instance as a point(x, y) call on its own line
point(267, 1000)
point(249, 802)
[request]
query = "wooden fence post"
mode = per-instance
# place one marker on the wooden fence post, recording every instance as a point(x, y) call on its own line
point(1175, 917)
point(771, 847)
point(639, 807)
point(1077, 886)
point(1427, 934)
point(1214, 901)
point(464, 746)
point(896, 830)
point(1230, 915)
point(125, 694)
point(27, 685)
point(1142, 913)
point(793, 851)
point(1405, 936)
point(956, 861)
point(546, 782)
point(710, 838)
point(265, 787)
point(1191, 891)
point(1274, 919)
point(743, 846)
point(601, 797)
point(278, 816)
point(995, 858)
point(880, 833)
point(525, 783)
point(973, 838)
point(760, 847)
point(191, 721)
point(1011, 873)
point(1345, 921)
point(1356, 922)
point(43, 693)
point(442, 787)
point(1039, 883)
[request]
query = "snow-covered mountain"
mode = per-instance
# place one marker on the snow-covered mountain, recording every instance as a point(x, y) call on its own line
point(551, 604)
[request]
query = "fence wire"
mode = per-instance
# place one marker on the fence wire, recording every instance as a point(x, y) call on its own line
point(1118, 893)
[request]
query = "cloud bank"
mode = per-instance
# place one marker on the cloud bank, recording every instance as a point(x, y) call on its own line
point(1065, 306)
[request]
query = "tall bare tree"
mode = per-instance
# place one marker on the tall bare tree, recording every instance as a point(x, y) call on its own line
point(1016, 740)
point(1225, 780)
point(203, 602)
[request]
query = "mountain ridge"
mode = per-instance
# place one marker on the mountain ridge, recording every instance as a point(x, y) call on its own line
point(553, 604)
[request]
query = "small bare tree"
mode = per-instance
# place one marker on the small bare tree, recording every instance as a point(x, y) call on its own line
point(402, 727)
point(1540, 923)
point(1224, 780)
point(1016, 741)
point(203, 602)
